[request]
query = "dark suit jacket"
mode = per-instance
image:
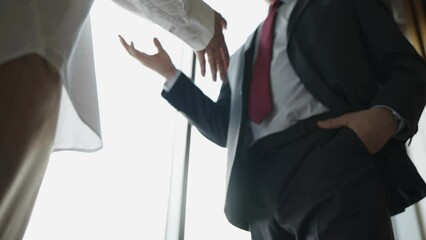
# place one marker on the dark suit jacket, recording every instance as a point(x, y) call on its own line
point(350, 55)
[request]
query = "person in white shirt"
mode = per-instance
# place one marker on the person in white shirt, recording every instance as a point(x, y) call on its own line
point(48, 98)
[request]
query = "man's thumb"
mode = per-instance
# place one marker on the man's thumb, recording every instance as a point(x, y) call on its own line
point(331, 123)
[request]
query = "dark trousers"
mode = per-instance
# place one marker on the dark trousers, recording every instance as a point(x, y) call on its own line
point(315, 184)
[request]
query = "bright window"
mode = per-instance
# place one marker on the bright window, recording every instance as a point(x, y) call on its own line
point(122, 191)
point(205, 218)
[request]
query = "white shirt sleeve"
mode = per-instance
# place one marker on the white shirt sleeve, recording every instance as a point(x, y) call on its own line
point(190, 20)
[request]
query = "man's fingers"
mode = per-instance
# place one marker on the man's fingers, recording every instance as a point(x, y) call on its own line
point(125, 45)
point(131, 49)
point(334, 122)
point(223, 65)
point(225, 55)
point(158, 45)
point(123, 42)
point(202, 61)
point(219, 19)
point(222, 72)
point(142, 57)
point(224, 23)
point(330, 123)
point(135, 53)
point(213, 66)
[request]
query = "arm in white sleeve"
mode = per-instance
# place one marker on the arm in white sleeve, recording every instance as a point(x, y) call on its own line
point(190, 20)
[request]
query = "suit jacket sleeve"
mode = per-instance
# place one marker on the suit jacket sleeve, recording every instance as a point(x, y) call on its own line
point(210, 118)
point(190, 20)
point(401, 71)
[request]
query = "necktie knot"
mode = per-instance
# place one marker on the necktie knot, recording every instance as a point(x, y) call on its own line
point(274, 5)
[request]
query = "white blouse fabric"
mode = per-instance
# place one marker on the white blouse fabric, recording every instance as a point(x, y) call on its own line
point(60, 32)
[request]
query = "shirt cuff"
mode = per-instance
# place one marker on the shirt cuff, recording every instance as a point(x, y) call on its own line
point(397, 116)
point(168, 85)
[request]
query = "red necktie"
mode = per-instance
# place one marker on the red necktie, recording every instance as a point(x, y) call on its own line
point(260, 99)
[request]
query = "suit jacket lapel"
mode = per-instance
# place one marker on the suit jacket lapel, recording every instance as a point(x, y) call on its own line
point(249, 46)
point(295, 15)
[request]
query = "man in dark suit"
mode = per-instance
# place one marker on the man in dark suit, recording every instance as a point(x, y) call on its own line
point(326, 158)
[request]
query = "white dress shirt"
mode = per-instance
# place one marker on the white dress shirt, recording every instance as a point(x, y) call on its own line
point(291, 100)
point(60, 32)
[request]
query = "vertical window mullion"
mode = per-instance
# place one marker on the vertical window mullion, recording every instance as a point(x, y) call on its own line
point(175, 227)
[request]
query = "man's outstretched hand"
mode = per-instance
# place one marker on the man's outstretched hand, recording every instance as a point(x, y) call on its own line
point(216, 51)
point(159, 62)
point(374, 126)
